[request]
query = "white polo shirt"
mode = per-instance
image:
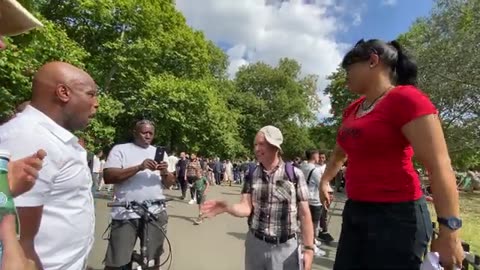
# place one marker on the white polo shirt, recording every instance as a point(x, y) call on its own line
point(66, 232)
point(144, 185)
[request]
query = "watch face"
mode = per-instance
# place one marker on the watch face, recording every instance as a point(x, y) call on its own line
point(454, 223)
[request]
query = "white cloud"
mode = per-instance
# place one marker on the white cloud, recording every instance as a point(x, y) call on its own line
point(267, 30)
point(389, 2)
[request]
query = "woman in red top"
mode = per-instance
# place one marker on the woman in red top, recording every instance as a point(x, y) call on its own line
point(386, 224)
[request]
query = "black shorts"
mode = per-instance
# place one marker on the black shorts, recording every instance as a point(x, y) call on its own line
point(200, 197)
point(124, 234)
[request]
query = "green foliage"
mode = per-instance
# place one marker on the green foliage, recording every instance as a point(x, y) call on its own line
point(192, 115)
point(277, 96)
point(25, 54)
point(148, 63)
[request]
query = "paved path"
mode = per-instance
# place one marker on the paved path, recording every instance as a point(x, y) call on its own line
point(217, 244)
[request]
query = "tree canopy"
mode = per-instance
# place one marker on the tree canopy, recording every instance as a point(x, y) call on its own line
point(148, 63)
point(445, 46)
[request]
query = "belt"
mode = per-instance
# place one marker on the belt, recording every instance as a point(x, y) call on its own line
point(272, 239)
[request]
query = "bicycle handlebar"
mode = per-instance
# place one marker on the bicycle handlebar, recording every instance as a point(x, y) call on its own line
point(126, 204)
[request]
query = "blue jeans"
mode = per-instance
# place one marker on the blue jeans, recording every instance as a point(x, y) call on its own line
point(383, 235)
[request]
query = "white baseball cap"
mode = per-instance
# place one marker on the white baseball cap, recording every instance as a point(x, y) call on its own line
point(273, 135)
point(15, 19)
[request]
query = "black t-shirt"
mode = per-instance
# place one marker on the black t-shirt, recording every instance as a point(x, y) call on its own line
point(182, 167)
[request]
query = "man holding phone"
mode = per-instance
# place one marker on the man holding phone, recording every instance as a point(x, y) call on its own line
point(139, 172)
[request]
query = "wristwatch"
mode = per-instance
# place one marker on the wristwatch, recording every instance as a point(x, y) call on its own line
point(453, 223)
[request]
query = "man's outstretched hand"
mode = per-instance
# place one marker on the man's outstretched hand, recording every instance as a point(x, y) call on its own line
point(13, 256)
point(213, 208)
point(22, 173)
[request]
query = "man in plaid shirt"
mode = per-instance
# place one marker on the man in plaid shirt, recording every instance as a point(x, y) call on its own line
point(274, 204)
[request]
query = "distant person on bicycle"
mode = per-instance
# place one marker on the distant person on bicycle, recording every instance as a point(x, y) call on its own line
point(137, 177)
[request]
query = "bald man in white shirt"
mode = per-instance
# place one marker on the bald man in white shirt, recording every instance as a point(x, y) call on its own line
point(63, 101)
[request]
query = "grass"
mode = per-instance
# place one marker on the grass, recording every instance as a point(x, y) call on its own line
point(470, 214)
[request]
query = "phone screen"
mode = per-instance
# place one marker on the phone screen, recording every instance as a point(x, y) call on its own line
point(159, 154)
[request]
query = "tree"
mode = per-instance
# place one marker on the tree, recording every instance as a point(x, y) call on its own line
point(131, 42)
point(25, 54)
point(446, 45)
point(191, 115)
point(340, 96)
point(278, 96)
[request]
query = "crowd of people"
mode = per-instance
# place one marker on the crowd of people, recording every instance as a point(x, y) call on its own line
point(386, 224)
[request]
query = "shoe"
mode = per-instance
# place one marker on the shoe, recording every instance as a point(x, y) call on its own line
point(318, 252)
point(198, 221)
point(191, 202)
point(325, 237)
point(317, 243)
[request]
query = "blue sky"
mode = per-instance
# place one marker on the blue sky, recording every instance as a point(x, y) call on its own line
point(386, 21)
point(316, 33)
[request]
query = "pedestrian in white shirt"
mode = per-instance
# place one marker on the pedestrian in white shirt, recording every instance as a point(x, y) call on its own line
point(137, 177)
point(96, 169)
point(57, 214)
point(312, 174)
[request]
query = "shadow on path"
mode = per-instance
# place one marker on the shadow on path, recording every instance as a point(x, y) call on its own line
point(231, 193)
point(189, 219)
point(238, 235)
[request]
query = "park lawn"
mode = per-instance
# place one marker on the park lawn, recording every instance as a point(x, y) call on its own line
point(470, 213)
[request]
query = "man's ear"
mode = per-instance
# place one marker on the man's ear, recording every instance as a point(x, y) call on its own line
point(63, 92)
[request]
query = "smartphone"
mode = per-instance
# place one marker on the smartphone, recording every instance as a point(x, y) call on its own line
point(159, 154)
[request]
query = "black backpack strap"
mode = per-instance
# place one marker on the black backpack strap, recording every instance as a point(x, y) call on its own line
point(310, 175)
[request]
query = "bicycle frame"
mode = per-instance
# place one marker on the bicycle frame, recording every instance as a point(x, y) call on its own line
point(146, 216)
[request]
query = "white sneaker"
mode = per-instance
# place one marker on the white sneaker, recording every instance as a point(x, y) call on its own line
point(318, 252)
point(317, 243)
point(191, 202)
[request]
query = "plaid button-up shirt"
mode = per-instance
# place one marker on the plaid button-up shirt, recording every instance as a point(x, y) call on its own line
point(275, 199)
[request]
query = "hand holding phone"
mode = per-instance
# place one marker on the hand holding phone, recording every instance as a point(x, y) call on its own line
point(159, 154)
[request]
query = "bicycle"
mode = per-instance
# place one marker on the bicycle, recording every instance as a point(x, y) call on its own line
point(141, 209)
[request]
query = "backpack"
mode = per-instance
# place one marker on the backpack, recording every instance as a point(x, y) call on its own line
point(289, 171)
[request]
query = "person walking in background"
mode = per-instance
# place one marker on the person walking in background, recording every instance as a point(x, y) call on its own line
point(194, 172)
point(386, 223)
point(274, 197)
point(228, 167)
point(97, 168)
point(323, 233)
point(181, 173)
point(313, 173)
point(172, 167)
point(218, 171)
point(201, 188)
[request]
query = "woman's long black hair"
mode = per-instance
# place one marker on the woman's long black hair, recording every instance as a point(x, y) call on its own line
point(404, 69)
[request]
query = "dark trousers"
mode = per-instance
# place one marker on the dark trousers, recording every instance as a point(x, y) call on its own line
point(124, 234)
point(218, 177)
point(323, 220)
point(316, 212)
point(183, 186)
point(383, 235)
